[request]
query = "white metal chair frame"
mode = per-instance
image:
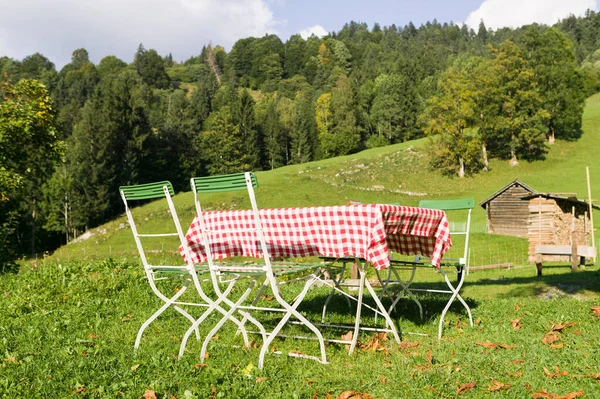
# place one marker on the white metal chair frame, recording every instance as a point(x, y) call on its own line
point(154, 271)
point(165, 190)
point(461, 265)
point(378, 310)
point(217, 271)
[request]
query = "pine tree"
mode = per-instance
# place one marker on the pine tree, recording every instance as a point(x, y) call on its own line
point(223, 144)
point(274, 137)
point(303, 137)
point(245, 119)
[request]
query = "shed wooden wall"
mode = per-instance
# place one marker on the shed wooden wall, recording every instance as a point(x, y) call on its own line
point(550, 223)
point(508, 213)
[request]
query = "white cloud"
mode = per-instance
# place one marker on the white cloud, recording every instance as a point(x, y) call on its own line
point(316, 30)
point(515, 13)
point(116, 27)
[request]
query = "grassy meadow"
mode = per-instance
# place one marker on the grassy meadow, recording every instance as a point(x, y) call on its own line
point(68, 320)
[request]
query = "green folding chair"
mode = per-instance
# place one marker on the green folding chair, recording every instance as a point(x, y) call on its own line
point(462, 206)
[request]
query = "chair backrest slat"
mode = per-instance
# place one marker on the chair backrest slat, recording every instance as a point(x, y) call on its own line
point(146, 191)
point(448, 205)
point(222, 183)
point(465, 204)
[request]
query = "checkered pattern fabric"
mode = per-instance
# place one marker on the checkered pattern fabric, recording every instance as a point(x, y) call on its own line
point(364, 231)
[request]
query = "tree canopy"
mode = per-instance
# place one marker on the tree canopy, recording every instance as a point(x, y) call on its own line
point(69, 138)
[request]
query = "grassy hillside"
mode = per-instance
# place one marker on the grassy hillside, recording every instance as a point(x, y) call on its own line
point(396, 173)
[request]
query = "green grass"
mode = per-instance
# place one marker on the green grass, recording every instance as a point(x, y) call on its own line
point(67, 330)
point(68, 321)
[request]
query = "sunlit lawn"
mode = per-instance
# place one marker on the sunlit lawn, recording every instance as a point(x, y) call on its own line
point(67, 330)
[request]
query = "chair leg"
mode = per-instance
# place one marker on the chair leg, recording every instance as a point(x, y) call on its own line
point(168, 303)
point(229, 316)
point(384, 287)
point(405, 288)
point(292, 311)
point(336, 283)
point(263, 286)
point(455, 294)
point(214, 305)
point(388, 319)
point(190, 318)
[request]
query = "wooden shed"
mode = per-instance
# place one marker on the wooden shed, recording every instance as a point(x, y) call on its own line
point(557, 220)
point(507, 212)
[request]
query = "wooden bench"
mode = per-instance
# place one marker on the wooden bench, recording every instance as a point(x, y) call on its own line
point(574, 251)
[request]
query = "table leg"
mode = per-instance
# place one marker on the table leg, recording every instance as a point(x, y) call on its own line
point(358, 308)
point(382, 309)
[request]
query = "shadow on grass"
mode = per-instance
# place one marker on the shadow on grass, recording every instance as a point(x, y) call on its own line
point(549, 285)
point(406, 309)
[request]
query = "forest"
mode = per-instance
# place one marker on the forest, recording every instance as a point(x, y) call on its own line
point(70, 138)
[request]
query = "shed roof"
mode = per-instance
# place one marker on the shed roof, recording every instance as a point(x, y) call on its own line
point(559, 197)
point(503, 189)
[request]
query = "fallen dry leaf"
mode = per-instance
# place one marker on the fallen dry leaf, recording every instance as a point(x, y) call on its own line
point(354, 395)
point(465, 387)
point(383, 379)
point(528, 387)
point(252, 345)
point(506, 346)
point(261, 379)
point(213, 393)
point(149, 394)
point(559, 327)
point(79, 390)
point(556, 346)
point(429, 357)
point(198, 365)
point(595, 310)
point(558, 373)
point(518, 374)
point(547, 395)
point(374, 345)
point(516, 306)
point(383, 337)
point(407, 345)
point(550, 337)
point(497, 386)
point(516, 323)
point(488, 345)
point(126, 318)
point(266, 298)
point(135, 367)
point(11, 359)
point(92, 336)
point(478, 321)
point(347, 337)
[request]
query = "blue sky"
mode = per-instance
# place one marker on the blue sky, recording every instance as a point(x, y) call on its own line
point(116, 27)
point(333, 14)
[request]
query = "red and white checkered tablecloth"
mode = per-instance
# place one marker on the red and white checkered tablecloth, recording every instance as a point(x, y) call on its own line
point(365, 231)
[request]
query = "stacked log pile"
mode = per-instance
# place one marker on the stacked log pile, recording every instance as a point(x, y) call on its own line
point(552, 222)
